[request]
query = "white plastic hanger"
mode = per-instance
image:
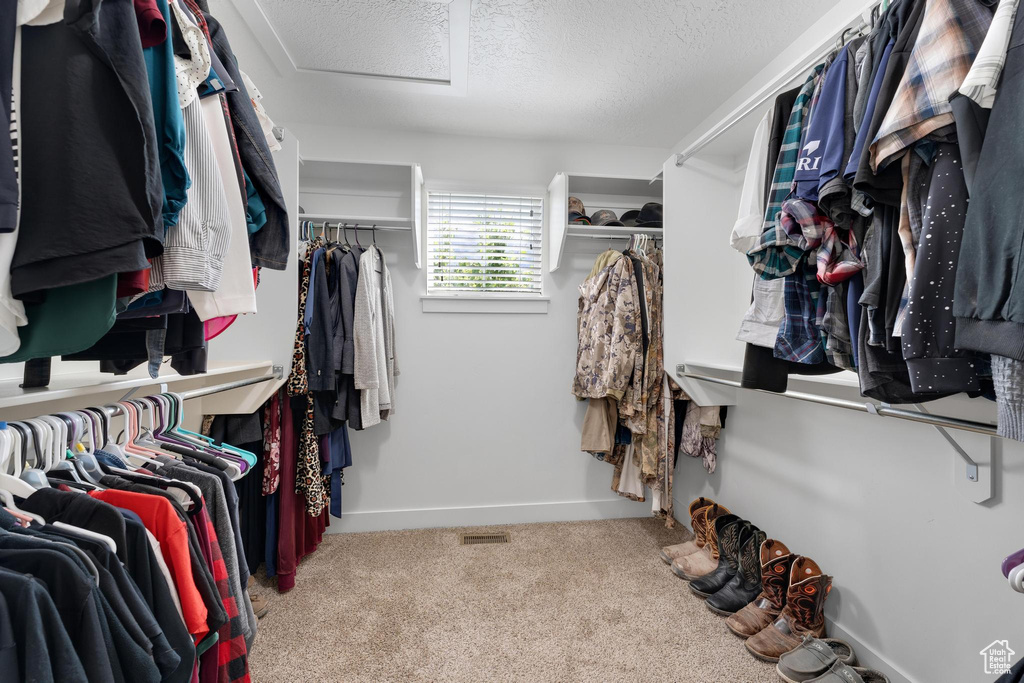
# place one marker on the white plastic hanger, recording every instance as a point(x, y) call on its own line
point(1016, 578)
point(10, 440)
point(31, 436)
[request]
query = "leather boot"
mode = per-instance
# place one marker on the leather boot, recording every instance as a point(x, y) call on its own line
point(671, 553)
point(704, 561)
point(746, 584)
point(802, 616)
point(776, 562)
point(732, 533)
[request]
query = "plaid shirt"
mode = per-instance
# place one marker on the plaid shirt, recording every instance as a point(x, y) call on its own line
point(951, 34)
point(835, 329)
point(983, 79)
point(838, 256)
point(775, 255)
point(800, 338)
point(803, 223)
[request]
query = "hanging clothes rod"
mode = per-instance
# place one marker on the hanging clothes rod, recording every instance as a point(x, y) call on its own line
point(762, 96)
point(654, 238)
point(228, 386)
point(883, 409)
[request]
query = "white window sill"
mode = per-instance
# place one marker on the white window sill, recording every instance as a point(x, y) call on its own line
point(484, 304)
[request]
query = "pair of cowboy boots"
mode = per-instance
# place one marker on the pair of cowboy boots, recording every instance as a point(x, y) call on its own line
point(722, 561)
point(790, 606)
point(742, 569)
point(696, 558)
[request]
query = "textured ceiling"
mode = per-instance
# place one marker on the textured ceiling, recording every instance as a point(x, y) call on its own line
point(383, 37)
point(632, 72)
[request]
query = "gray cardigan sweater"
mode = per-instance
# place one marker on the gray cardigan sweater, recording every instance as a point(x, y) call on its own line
point(374, 338)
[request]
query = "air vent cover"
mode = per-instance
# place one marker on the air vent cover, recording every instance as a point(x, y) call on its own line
point(479, 539)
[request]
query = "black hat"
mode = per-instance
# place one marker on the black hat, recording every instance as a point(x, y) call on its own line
point(650, 216)
point(629, 218)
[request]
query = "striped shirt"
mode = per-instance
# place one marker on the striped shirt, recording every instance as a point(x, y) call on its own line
point(983, 78)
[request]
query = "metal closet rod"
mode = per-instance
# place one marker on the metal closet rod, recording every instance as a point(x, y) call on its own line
point(758, 100)
point(883, 409)
point(654, 238)
point(326, 225)
point(228, 386)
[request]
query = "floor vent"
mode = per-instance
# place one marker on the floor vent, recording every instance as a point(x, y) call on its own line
point(478, 539)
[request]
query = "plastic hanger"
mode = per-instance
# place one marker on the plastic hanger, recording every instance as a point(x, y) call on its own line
point(133, 450)
point(1012, 560)
point(58, 439)
point(207, 445)
point(1016, 577)
point(8, 500)
point(112, 445)
point(86, 533)
point(33, 476)
point(9, 480)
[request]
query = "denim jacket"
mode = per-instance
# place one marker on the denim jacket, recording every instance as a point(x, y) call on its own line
point(270, 246)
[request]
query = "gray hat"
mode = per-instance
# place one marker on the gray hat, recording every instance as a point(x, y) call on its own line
point(605, 217)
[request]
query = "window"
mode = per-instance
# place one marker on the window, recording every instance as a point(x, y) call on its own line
point(483, 244)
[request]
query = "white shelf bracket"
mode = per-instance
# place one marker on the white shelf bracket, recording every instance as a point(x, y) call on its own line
point(972, 478)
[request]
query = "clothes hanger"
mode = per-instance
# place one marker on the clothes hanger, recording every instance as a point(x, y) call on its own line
point(1016, 578)
point(1011, 561)
point(345, 228)
point(89, 534)
point(111, 444)
point(238, 461)
point(10, 482)
point(143, 442)
point(86, 462)
point(34, 476)
point(133, 450)
point(63, 444)
point(357, 236)
point(374, 232)
point(7, 498)
point(58, 439)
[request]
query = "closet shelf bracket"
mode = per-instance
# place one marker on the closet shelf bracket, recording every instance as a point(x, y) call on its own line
point(971, 472)
point(975, 475)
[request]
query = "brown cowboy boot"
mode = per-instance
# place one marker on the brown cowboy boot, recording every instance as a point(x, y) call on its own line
point(776, 561)
point(802, 616)
point(672, 552)
point(705, 560)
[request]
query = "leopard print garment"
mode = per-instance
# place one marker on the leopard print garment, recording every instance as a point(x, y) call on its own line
point(309, 479)
point(298, 381)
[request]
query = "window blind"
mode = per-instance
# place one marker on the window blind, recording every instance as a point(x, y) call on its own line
point(481, 243)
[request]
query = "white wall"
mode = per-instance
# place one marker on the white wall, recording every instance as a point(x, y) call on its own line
point(486, 429)
point(875, 501)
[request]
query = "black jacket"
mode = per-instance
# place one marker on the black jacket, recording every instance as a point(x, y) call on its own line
point(988, 305)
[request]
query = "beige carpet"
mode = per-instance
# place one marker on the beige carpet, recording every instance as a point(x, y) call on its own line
point(577, 601)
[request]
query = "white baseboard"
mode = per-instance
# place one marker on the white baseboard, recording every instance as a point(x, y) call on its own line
point(868, 657)
point(487, 515)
